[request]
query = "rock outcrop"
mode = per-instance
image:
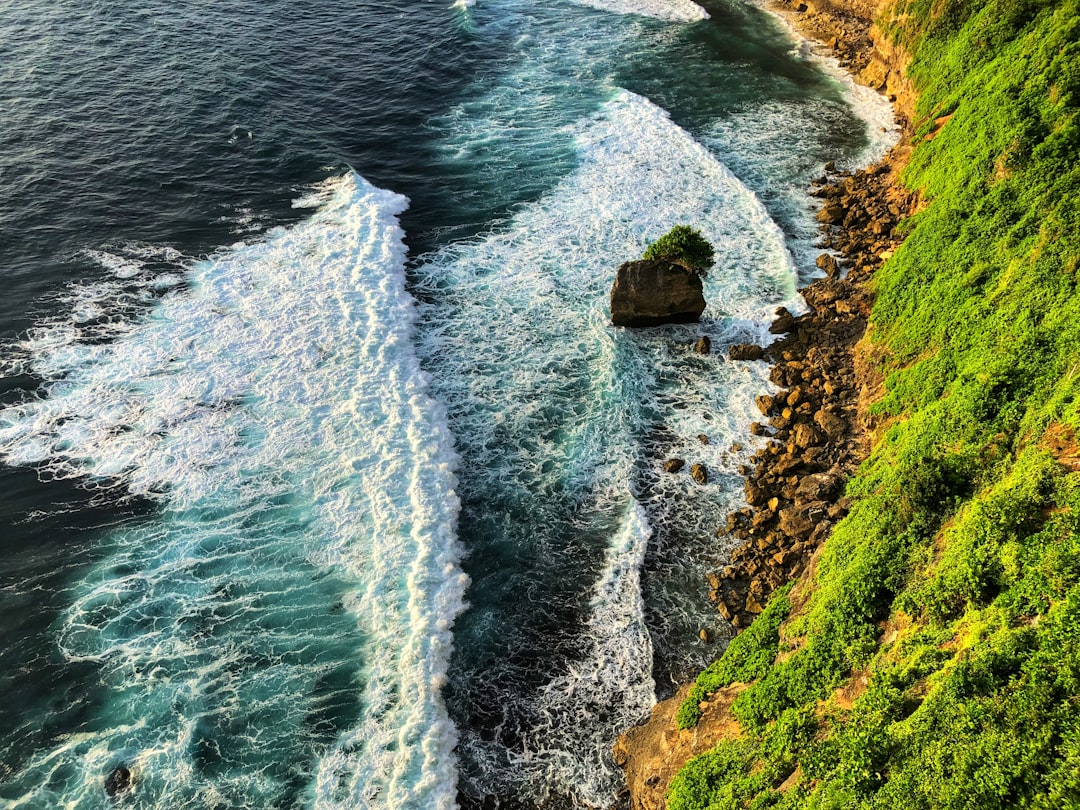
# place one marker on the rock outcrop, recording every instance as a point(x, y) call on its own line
point(655, 292)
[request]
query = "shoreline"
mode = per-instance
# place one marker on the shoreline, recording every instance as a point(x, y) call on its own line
point(818, 424)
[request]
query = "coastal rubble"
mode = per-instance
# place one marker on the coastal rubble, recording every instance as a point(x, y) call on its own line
point(817, 433)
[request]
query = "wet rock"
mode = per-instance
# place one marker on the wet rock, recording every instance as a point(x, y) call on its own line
point(746, 351)
point(673, 465)
point(784, 323)
point(724, 610)
point(701, 437)
point(655, 292)
point(832, 214)
point(756, 495)
point(828, 263)
point(118, 781)
point(765, 403)
point(699, 473)
point(704, 345)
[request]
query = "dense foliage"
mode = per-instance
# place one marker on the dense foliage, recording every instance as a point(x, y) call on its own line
point(685, 246)
point(936, 662)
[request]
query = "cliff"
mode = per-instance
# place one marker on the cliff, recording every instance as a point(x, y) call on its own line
point(928, 652)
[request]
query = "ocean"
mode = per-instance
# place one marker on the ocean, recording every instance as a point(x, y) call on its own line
point(326, 481)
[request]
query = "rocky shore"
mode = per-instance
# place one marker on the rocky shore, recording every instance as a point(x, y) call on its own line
point(818, 425)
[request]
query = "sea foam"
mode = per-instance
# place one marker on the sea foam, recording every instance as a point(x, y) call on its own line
point(282, 628)
point(674, 10)
point(558, 417)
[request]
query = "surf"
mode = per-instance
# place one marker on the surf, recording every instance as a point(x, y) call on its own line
point(281, 631)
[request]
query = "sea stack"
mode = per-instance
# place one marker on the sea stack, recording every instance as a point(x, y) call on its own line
point(653, 292)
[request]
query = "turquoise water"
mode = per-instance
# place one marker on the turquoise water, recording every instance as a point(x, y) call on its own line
point(330, 484)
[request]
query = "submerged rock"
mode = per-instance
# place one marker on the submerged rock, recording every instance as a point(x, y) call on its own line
point(118, 780)
point(655, 292)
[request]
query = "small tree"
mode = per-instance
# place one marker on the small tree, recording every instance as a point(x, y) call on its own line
point(684, 246)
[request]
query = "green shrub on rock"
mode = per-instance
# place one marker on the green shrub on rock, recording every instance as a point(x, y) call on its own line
point(684, 246)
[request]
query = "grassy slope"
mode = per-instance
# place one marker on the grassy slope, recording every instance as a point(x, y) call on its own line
point(952, 590)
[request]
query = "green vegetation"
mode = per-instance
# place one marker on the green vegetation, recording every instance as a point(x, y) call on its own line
point(747, 658)
point(936, 662)
point(684, 246)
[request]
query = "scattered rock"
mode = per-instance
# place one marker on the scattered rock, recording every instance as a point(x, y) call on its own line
point(673, 465)
point(699, 473)
point(794, 481)
point(654, 292)
point(704, 345)
point(701, 437)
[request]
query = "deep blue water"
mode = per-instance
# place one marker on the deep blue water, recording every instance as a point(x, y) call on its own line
point(326, 482)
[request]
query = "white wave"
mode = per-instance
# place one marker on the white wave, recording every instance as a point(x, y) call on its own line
point(674, 10)
point(276, 409)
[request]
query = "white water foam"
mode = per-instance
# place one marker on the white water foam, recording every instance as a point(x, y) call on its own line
point(553, 405)
point(673, 10)
point(616, 671)
point(305, 561)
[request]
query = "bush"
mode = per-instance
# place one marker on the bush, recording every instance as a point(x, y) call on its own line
point(684, 246)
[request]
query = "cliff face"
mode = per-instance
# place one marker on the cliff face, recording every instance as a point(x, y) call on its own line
point(928, 655)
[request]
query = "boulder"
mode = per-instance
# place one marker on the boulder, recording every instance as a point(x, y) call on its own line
point(746, 351)
point(795, 523)
point(765, 403)
point(804, 436)
point(699, 473)
point(704, 345)
point(654, 292)
point(819, 486)
point(784, 323)
point(673, 465)
point(834, 426)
